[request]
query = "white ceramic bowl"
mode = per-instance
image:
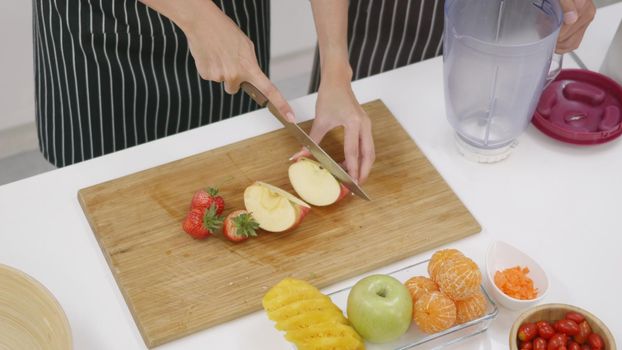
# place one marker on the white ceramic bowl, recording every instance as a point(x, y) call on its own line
point(501, 256)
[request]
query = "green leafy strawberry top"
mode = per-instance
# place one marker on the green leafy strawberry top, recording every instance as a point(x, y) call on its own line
point(211, 220)
point(212, 191)
point(245, 224)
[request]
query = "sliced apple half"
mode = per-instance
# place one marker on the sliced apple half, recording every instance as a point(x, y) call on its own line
point(274, 209)
point(314, 184)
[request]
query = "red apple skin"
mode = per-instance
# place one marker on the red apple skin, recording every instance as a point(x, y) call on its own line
point(343, 193)
point(301, 212)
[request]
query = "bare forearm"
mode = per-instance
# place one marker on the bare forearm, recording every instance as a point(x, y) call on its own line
point(331, 24)
point(184, 13)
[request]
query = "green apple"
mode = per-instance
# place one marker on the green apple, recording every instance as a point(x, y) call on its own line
point(380, 308)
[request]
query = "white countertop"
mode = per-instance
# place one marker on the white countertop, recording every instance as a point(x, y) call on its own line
point(557, 202)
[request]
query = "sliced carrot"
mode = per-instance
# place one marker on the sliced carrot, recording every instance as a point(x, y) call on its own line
point(515, 283)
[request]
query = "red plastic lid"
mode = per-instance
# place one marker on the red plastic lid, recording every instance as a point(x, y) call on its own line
point(580, 107)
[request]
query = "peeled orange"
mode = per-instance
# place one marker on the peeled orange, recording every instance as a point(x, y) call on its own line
point(434, 312)
point(419, 285)
point(439, 258)
point(459, 278)
point(471, 308)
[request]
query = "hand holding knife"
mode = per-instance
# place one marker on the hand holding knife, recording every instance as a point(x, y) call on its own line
point(320, 155)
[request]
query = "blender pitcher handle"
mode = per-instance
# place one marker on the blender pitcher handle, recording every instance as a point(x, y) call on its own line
point(554, 69)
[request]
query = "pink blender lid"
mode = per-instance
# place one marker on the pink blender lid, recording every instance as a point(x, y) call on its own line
point(580, 107)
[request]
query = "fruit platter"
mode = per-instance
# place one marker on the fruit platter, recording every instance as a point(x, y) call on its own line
point(433, 303)
point(436, 302)
point(400, 310)
point(414, 336)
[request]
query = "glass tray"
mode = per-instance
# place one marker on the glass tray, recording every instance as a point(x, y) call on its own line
point(414, 338)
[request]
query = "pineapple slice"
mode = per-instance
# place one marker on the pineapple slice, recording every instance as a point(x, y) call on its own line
point(333, 343)
point(287, 286)
point(319, 303)
point(323, 330)
point(310, 319)
point(287, 297)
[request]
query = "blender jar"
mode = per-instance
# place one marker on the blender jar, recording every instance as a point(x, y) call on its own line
point(497, 58)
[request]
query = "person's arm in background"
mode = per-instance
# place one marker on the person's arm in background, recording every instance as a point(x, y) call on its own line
point(221, 52)
point(336, 104)
point(578, 14)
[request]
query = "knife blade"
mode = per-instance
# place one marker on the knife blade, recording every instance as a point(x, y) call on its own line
point(578, 60)
point(320, 155)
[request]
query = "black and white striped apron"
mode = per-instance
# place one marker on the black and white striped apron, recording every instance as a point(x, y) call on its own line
point(111, 74)
point(387, 34)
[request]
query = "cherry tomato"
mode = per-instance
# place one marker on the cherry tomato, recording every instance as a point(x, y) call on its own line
point(584, 331)
point(545, 329)
point(575, 316)
point(557, 340)
point(585, 347)
point(539, 344)
point(527, 331)
point(573, 345)
point(568, 327)
point(595, 341)
point(563, 347)
point(526, 345)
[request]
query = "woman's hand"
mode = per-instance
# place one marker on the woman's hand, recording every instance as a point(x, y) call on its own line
point(221, 51)
point(337, 106)
point(578, 14)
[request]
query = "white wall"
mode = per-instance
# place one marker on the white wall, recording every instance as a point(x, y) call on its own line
point(292, 32)
point(292, 27)
point(16, 70)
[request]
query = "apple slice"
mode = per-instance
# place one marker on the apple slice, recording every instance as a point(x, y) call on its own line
point(314, 184)
point(274, 209)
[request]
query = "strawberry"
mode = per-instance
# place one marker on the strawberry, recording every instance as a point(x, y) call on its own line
point(220, 204)
point(204, 199)
point(239, 226)
point(202, 223)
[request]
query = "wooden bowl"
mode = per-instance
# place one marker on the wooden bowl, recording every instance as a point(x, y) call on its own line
point(554, 312)
point(30, 317)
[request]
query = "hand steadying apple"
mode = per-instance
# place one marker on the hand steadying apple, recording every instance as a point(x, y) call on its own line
point(337, 106)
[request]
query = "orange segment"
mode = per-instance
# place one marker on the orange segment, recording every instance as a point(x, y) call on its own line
point(439, 258)
point(434, 312)
point(471, 308)
point(459, 278)
point(419, 285)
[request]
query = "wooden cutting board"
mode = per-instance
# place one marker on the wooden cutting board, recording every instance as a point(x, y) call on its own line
point(175, 285)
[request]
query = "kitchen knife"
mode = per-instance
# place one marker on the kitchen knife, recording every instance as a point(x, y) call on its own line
point(320, 155)
point(578, 60)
